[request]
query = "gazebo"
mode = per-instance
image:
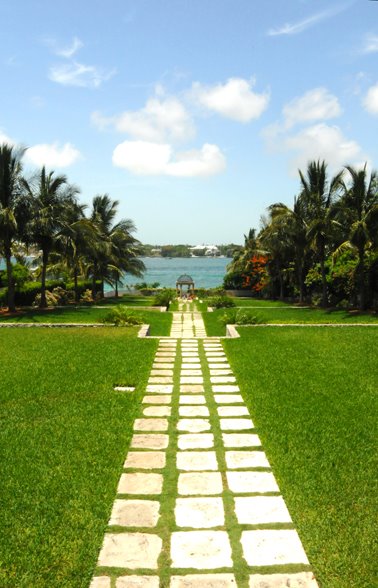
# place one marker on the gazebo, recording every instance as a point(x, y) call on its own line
point(182, 281)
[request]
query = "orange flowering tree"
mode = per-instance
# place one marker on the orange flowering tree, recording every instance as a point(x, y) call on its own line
point(255, 276)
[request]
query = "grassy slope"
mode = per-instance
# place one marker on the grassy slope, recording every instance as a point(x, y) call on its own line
point(313, 400)
point(63, 437)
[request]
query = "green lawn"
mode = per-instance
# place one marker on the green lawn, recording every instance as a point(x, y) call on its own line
point(289, 315)
point(127, 300)
point(160, 322)
point(313, 398)
point(63, 437)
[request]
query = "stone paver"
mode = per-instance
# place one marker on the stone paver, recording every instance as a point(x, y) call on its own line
point(149, 460)
point(201, 483)
point(205, 550)
point(272, 547)
point(135, 513)
point(184, 418)
point(150, 441)
point(199, 513)
point(196, 460)
point(203, 581)
point(140, 483)
point(130, 550)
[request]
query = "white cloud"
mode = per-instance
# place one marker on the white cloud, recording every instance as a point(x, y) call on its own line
point(78, 74)
point(160, 120)
point(370, 44)
point(146, 158)
point(370, 101)
point(235, 99)
point(302, 25)
point(53, 155)
point(5, 139)
point(321, 141)
point(71, 49)
point(316, 104)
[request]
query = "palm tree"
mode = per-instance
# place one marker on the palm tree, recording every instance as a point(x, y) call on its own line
point(13, 209)
point(50, 195)
point(318, 195)
point(358, 210)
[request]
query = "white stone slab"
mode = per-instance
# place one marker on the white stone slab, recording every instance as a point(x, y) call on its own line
point(272, 547)
point(215, 354)
point(135, 513)
point(225, 389)
point(124, 388)
point(130, 550)
point(240, 440)
point(200, 483)
point(192, 388)
point(157, 399)
point(196, 441)
point(250, 482)
point(193, 411)
point(191, 360)
point(150, 441)
point(205, 550)
point(150, 425)
point(199, 513)
point(237, 460)
point(203, 581)
point(160, 388)
point(301, 580)
point(100, 582)
point(232, 411)
point(259, 510)
point(220, 372)
point(140, 483)
point(191, 379)
point(196, 460)
point(193, 425)
point(137, 582)
point(221, 365)
point(222, 379)
point(157, 411)
point(145, 460)
point(192, 399)
point(162, 372)
point(191, 366)
point(164, 361)
point(164, 355)
point(160, 380)
point(228, 398)
point(190, 354)
point(235, 424)
point(191, 372)
point(214, 360)
point(163, 366)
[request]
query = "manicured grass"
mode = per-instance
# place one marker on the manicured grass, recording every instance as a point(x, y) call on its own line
point(312, 394)
point(288, 315)
point(127, 300)
point(63, 438)
point(160, 321)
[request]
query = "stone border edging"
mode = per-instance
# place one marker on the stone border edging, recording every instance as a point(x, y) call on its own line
point(144, 331)
point(231, 332)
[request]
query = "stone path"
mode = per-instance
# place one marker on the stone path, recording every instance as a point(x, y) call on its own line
point(187, 324)
point(197, 503)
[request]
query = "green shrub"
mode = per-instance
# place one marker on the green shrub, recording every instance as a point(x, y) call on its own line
point(51, 299)
point(220, 302)
point(164, 297)
point(121, 316)
point(241, 316)
point(86, 296)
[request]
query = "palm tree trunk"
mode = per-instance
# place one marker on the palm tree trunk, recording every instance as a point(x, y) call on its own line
point(300, 282)
point(45, 258)
point(361, 277)
point(116, 288)
point(94, 273)
point(11, 288)
point(324, 279)
point(77, 295)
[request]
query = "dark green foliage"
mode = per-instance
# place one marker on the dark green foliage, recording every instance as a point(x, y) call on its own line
point(164, 297)
point(241, 316)
point(121, 316)
point(220, 302)
point(233, 281)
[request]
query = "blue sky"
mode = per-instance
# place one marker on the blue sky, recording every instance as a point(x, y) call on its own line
point(194, 114)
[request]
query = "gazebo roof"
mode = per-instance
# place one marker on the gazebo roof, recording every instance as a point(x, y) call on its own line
point(184, 279)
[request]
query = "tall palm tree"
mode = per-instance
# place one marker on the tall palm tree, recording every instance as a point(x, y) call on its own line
point(13, 209)
point(358, 211)
point(318, 195)
point(50, 194)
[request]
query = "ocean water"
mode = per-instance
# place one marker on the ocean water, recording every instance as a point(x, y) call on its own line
point(207, 272)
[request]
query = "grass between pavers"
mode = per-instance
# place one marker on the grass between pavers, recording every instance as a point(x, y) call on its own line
point(312, 395)
point(160, 322)
point(63, 438)
point(289, 315)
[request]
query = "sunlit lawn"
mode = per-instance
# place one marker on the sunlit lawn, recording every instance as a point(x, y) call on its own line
point(312, 394)
point(63, 437)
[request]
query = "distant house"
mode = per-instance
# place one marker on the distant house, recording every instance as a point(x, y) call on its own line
point(205, 250)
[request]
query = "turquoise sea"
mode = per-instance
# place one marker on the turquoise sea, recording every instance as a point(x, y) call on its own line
point(207, 272)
